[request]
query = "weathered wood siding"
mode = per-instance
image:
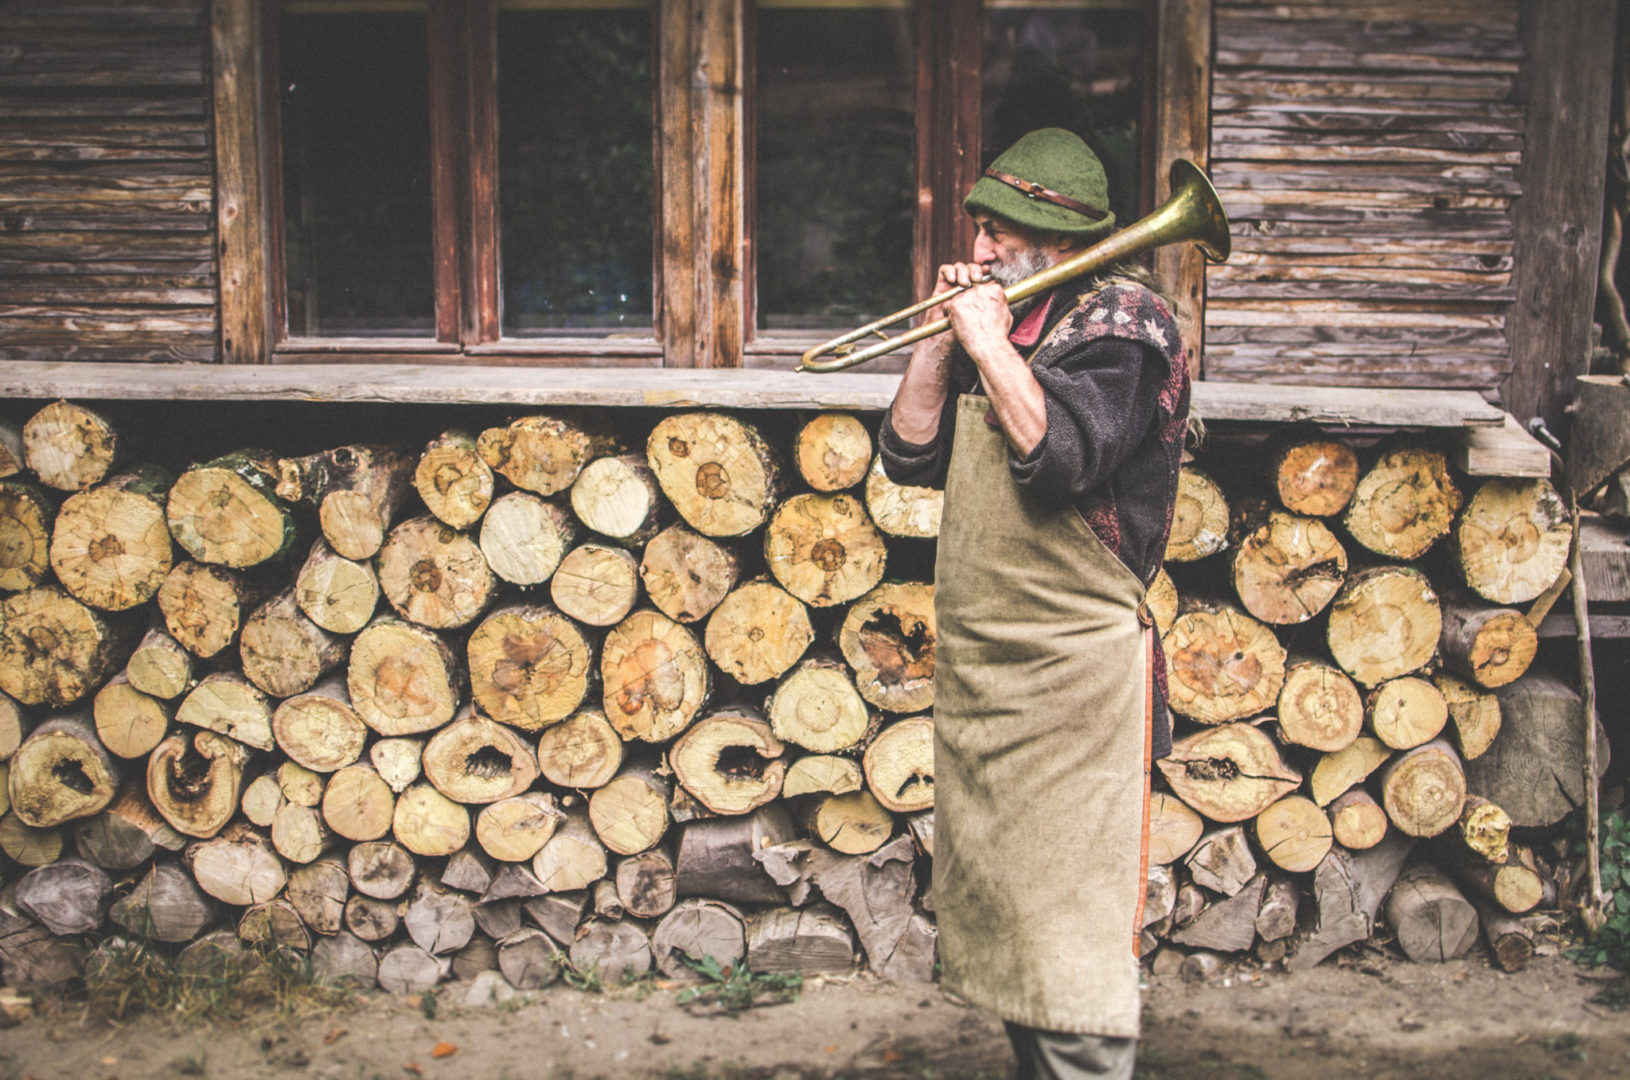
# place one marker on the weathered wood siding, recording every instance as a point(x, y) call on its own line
point(106, 181)
point(1367, 151)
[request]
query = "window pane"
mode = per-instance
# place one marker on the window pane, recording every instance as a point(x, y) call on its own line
point(1079, 69)
point(356, 172)
point(575, 191)
point(835, 163)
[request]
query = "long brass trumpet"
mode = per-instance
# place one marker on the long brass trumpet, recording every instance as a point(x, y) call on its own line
point(1192, 213)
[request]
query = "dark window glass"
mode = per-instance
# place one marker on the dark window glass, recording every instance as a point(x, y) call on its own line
point(356, 172)
point(575, 190)
point(1080, 69)
point(835, 163)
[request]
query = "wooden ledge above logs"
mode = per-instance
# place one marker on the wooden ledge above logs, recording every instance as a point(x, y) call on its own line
point(1491, 442)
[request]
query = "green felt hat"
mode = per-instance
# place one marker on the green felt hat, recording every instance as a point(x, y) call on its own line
point(1050, 181)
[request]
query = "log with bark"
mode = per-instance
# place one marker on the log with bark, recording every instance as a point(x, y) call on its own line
point(1490, 646)
point(596, 584)
point(888, 637)
point(356, 490)
point(453, 481)
point(1512, 542)
point(719, 472)
point(227, 511)
point(687, 574)
point(758, 632)
point(1404, 503)
point(729, 760)
point(110, 545)
point(824, 549)
point(336, 593)
point(55, 651)
point(524, 538)
point(1229, 773)
point(655, 677)
point(434, 576)
point(27, 514)
point(1430, 917)
point(1314, 476)
point(1222, 664)
point(70, 447)
point(544, 454)
point(833, 451)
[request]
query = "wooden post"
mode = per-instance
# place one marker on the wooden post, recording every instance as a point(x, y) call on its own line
point(1183, 130)
point(240, 198)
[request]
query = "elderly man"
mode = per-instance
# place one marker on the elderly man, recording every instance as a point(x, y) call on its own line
point(1058, 440)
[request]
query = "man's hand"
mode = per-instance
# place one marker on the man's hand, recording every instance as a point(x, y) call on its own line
point(981, 320)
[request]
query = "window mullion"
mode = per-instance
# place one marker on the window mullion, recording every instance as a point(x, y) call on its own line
point(449, 194)
point(479, 152)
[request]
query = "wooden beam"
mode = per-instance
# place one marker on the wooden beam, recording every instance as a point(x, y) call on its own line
point(1604, 552)
point(1601, 626)
point(1506, 450)
point(677, 228)
point(240, 203)
point(1182, 130)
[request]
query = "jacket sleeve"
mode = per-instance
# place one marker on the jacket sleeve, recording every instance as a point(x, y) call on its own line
point(925, 464)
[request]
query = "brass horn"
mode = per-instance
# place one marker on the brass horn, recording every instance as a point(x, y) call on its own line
point(1192, 213)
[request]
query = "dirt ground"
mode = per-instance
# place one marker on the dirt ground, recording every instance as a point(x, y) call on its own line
point(1371, 1017)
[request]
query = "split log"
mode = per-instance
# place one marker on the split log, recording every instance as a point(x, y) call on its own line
point(899, 764)
point(194, 781)
point(853, 824)
point(344, 960)
point(1227, 925)
point(372, 920)
point(1404, 504)
point(284, 652)
point(1159, 899)
point(477, 760)
point(543, 454)
point(1384, 623)
point(1512, 542)
point(1430, 917)
point(318, 893)
point(426, 822)
point(511, 881)
point(205, 606)
point(832, 451)
point(528, 959)
point(1174, 829)
point(647, 883)
point(557, 914)
point(12, 728)
point(356, 490)
point(70, 896)
point(319, 729)
point(583, 751)
point(1228, 773)
point(1162, 601)
point(398, 761)
point(616, 951)
point(630, 813)
point(1222, 665)
point(1319, 707)
point(716, 858)
point(1357, 821)
point(229, 704)
point(166, 905)
point(1424, 789)
point(596, 584)
point(1315, 476)
point(336, 593)
point(875, 891)
point(1222, 861)
point(1294, 833)
point(694, 930)
point(618, 498)
point(299, 834)
point(686, 574)
point(524, 538)
point(812, 940)
point(1406, 712)
point(655, 677)
point(468, 871)
point(1474, 716)
point(1276, 917)
point(718, 471)
point(530, 666)
point(70, 447)
point(573, 858)
point(408, 969)
point(498, 918)
point(227, 511)
point(403, 679)
point(380, 869)
point(434, 576)
point(300, 784)
point(54, 651)
point(514, 829)
point(824, 549)
point(758, 632)
point(1535, 769)
point(110, 546)
point(26, 517)
point(1348, 888)
point(902, 510)
point(127, 833)
point(889, 638)
point(358, 804)
point(452, 479)
point(1199, 518)
point(239, 867)
point(262, 799)
point(61, 772)
point(438, 920)
point(729, 760)
point(1490, 646)
point(828, 774)
point(1288, 569)
point(160, 667)
point(1341, 770)
point(26, 845)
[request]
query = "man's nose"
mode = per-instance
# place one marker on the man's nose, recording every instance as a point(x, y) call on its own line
point(983, 250)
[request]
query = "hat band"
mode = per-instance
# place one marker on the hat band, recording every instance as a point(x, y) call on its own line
point(1047, 194)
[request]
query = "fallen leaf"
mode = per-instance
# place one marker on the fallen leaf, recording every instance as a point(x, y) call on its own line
point(443, 1049)
point(333, 1036)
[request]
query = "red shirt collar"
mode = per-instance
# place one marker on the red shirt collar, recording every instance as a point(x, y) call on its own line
point(1028, 332)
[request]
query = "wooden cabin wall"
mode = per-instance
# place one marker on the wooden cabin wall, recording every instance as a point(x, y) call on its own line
point(1367, 153)
point(106, 181)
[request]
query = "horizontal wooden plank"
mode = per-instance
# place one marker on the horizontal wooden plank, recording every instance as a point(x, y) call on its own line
point(1355, 283)
point(112, 319)
point(94, 247)
point(1501, 14)
point(79, 217)
point(1357, 58)
point(125, 350)
point(1430, 180)
point(1442, 147)
point(1372, 119)
point(1446, 371)
point(1364, 339)
point(1336, 312)
point(203, 268)
point(1602, 625)
point(1448, 258)
point(1369, 209)
point(1237, 84)
point(80, 60)
point(1506, 450)
point(30, 291)
point(1357, 108)
point(103, 140)
point(1239, 30)
point(76, 106)
point(1468, 227)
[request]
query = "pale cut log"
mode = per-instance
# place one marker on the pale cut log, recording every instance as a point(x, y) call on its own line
point(240, 867)
point(899, 765)
point(194, 780)
point(615, 951)
point(524, 538)
point(110, 546)
point(227, 703)
point(1174, 828)
point(12, 458)
point(1348, 888)
point(1162, 601)
point(528, 959)
point(70, 447)
point(26, 517)
point(336, 593)
point(654, 675)
point(1404, 503)
point(647, 883)
point(1510, 940)
point(596, 584)
point(822, 774)
point(1535, 770)
point(1490, 646)
point(1228, 773)
point(818, 707)
point(318, 893)
point(381, 869)
point(166, 905)
point(398, 761)
point(1222, 665)
point(1227, 925)
point(1512, 542)
point(511, 881)
point(618, 497)
point(902, 510)
point(758, 632)
point(318, 729)
point(284, 652)
point(694, 930)
point(716, 858)
point(433, 575)
point(426, 822)
point(70, 896)
point(452, 479)
point(729, 760)
point(530, 666)
point(356, 490)
point(1485, 829)
point(544, 454)
point(557, 914)
point(1429, 916)
point(1474, 715)
point(573, 858)
point(300, 784)
point(718, 471)
point(833, 451)
point(1516, 886)
point(1288, 569)
point(1406, 712)
point(54, 651)
point(604, 901)
point(1384, 623)
point(372, 920)
point(1314, 476)
point(60, 773)
point(888, 637)
point(12, 728)
point(403, 679)
point(583, 751)
point(686, 574)
point(127, 833)
point(468, 871)
point(358, 804)
point(1336, 772)
point(1200, 518)
point(1294, 833)
point(26, 845)
point(262, 799)
point(514, 829)
point(854, 824)
point(1222, 861)
point(1276, 917)
point(1424, 789)
point(812, 940)
point(498, 918)
point(205, 606)
point(630, 813)
point(438, 920)
point(227, 512)
point(1319, 707)
point(824, 549)
point(344, 959)
point(479, 956)
point(1357, 821)
point(408, 969)
point(299, 833)
point(477, 760)
point(160, 667)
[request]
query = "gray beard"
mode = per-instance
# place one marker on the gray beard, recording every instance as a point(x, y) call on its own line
point(1026, 264)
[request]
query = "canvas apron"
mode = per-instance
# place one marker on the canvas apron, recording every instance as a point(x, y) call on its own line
point(1041, 755)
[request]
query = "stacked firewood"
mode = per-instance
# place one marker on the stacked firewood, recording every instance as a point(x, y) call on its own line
point(557, 691)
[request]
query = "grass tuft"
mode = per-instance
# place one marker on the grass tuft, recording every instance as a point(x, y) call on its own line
point(127, 979)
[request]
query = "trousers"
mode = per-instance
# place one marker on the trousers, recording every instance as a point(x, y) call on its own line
point(1054, 1055)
